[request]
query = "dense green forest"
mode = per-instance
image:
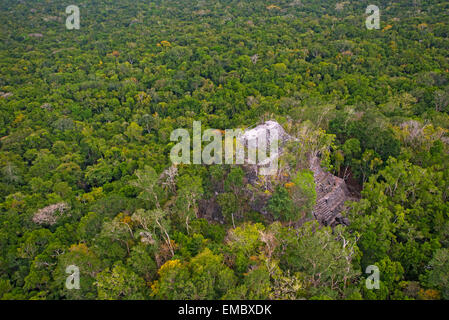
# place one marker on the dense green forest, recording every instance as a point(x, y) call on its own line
point(86, 178)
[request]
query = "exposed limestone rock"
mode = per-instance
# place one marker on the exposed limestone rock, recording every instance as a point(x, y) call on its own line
point(269, 131)
point(5, 95)
point(263, 129)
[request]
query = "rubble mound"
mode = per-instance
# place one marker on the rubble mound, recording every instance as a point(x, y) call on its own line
point(332, 191)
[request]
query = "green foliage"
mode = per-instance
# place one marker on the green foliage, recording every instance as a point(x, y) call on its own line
point(204, 277)
point(326, 264)
point(120, 283)
point(281, 204)
point(86, 117)
point(303, 193)
point(437, 277)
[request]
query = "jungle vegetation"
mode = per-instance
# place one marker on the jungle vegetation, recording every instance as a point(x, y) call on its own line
point(85, 123)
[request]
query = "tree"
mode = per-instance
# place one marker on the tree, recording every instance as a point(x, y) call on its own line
point(303, 194)
point(205, 277)
point(351, 151)
point(244, 242)
point(116, 231)
point(391, 274)
point(281, 205)
point(438, 275)
point(89, 266)
point(148, 122)
point(50, 214)
point(147, 184)
point(325, 261)
point(134, 131)
point(441, 100)
point(155, 222)
point(120, 283)
point(141, 260)
point(190, 190)
point(229, 206)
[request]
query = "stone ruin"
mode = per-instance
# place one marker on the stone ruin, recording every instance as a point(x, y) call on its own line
point(332, 191)
point(264, 131)
point(331, 194)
